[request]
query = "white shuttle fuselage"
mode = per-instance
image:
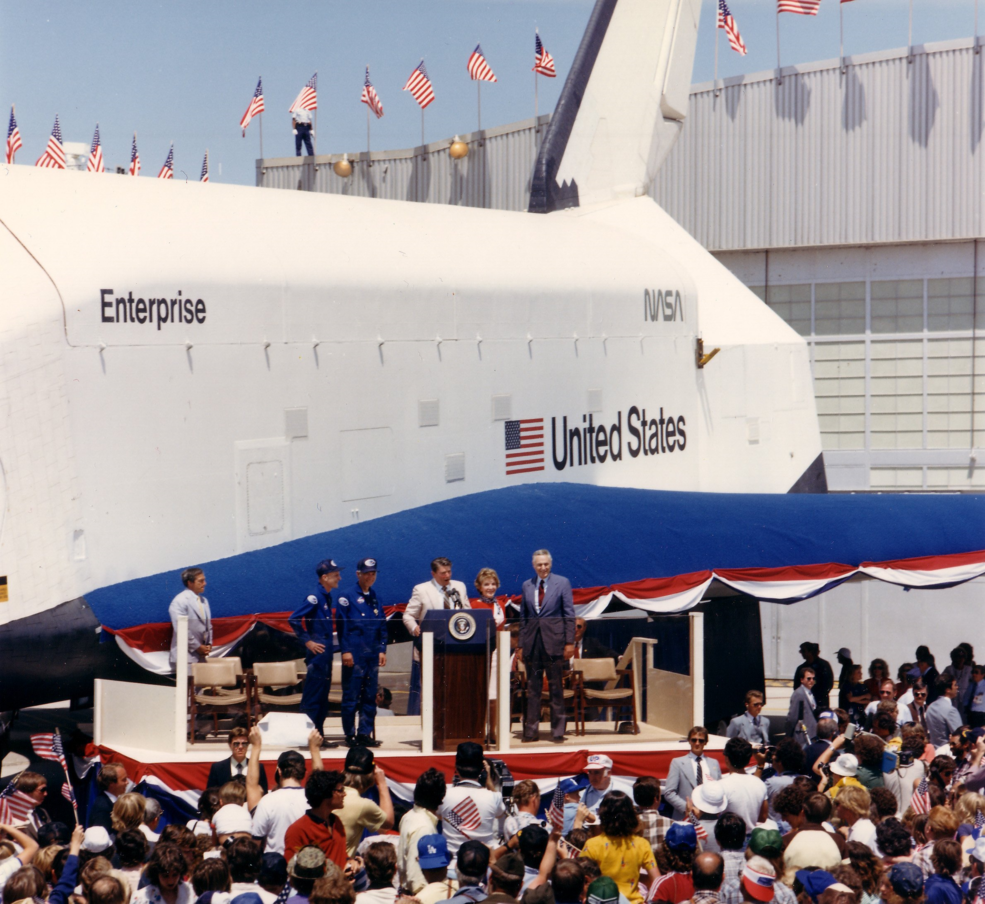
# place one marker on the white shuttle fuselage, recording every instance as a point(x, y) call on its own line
point(191, 372)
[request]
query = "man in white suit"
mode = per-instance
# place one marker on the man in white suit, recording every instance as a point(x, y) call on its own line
point(441, 592)
point(686, 772)
point(190, 602)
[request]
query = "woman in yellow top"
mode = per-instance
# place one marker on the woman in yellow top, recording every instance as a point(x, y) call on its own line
point(620, 853)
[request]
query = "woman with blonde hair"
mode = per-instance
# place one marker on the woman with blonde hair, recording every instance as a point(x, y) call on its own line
point(128, 812)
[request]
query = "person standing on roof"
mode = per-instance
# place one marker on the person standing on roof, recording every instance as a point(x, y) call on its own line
point(312, 623)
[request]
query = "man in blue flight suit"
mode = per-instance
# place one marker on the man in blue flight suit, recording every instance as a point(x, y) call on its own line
point(312, 623)
point(362, 642)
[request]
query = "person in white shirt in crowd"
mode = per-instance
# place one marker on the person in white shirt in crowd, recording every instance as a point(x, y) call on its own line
point(381, 866)
point(28, 848)
point(852, 805)
point(689, 771)
point(232, 821)
point(745, 794)
point(278, 810)
point(751, 725)
point(599, 772)
point(151, 820)
point(887, 693)
point(429, 792)
point(164, 874)
point(526, 799)
point(472, 808)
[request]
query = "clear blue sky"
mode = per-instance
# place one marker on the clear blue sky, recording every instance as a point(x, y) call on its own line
point(184, 71)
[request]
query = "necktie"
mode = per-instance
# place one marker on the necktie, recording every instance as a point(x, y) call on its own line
point(239, 768)
point(755, 721)
point(540, 596)
point(698, 777)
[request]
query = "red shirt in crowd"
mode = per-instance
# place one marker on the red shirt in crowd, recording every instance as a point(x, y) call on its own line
point(311, 829)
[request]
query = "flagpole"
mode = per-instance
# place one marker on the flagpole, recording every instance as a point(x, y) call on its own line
point(536, 99)
point(779, 70)
point(422, 131)
point(717, 29)
point(260, 124)
point(909, 40)
point(64, 762)
point(841, 34)
point(478, 89)
point(367, 132)
point(977, 49)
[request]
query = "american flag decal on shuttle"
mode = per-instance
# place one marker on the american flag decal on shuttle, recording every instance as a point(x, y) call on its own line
point(524, 446)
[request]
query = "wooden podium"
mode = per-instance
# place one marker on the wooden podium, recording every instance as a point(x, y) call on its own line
point(463, 642)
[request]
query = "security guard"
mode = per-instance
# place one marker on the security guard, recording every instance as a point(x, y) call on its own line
point(312, 623)
point(362, 642)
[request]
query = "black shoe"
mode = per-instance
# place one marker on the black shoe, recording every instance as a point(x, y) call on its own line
point(367, 741)
point(526, 740)
point(350, 741)
point(560, 740)
point(327, 744)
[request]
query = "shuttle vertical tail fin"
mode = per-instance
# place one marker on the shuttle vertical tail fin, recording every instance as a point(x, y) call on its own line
point(622, 106)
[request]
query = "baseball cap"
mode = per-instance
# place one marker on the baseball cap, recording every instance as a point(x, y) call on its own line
point(827, 714)
point(978, 851)
point(248, 897)
point(816, 881)
point(571, 785)
point(846, 764)
point(844, 653)
point(511, 864)
point(307, 863)
point(603, 891)
point(810, 645)
point(709, 797)
point(598, 761)
point(758, 878)
point(360, 761)
point(469, 755)
point(906, 879)
point(327, 566)
point(681, 836)
point(364, 565)
point(230, 819)
point(767, 842)
point(432, 852)
point(96, 840)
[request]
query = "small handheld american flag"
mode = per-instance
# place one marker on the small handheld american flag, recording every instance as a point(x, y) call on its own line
point(54, 154)
point(13, 137)
point(543, 61)
point(371, 98)
point(15, 806)
point(555, 813)
point(255, 107)
point(134, 158)
point(307, 98)
point(419, 85)
point(726, 21)
point(699, 829)
point(205, 168)
point(920, 802)
point(49, 747)
point(95, 162)
point(979, 824)
point(167, 171)
point(479, 69)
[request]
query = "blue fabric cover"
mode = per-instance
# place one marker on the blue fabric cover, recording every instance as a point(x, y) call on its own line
point(597, 535)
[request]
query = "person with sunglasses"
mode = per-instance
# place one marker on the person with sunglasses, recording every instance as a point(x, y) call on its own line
point(801, 723)
point(689, 771)
point(231, 767)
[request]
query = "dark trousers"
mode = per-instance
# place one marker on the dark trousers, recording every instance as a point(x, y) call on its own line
point(317, 683)
point(304, 134)
point(359, 684)
point(538, 664)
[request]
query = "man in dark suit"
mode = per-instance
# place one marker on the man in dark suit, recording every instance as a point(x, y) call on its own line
point(232, 766)
point(111, 782)
point(547, 637)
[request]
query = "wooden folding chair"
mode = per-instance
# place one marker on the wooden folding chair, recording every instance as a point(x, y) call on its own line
point(275, 676)
point(603, 670)
point(214, 688)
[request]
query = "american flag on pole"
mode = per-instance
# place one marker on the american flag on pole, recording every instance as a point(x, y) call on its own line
point(13, 138)
point(307, 98)
point(419, 85)
point(920, 802)
point(464, 815)
point(15, 806)
point(979, 824)
point(205, 168)
point(479, 69)
point(167, 171)
point(69, 794)
point(54, 154)
point(134, 158)
point(699, 829)
point(95, 162)
point(555, 813)
point(726, 21)
point(49, 747)
point(255, 107)
point(371, 98)
point(524, 446)
point(801, 7)
point(543, 61)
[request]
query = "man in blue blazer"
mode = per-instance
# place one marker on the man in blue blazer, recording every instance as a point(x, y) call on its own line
point(547, 638)
point(686, 772)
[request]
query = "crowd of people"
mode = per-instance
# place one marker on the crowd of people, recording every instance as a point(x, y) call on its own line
point(877, 802)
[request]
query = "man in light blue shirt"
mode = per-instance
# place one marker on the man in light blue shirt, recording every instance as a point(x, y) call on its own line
point(751, 726)
point(942, 716)
point(599, 772)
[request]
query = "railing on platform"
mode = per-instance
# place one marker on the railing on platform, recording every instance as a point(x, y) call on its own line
point(487, 177)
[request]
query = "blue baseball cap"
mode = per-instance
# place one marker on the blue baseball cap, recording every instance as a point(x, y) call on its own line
point(326, 566)
point(365, 565)
point(571, 785)
point(432, 852)
point(681, 836)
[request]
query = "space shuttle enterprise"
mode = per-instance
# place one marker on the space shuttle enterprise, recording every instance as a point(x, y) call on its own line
point(200, 373)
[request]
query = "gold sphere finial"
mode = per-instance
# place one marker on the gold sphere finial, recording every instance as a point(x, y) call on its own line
point(458, 149)
point(342, 167)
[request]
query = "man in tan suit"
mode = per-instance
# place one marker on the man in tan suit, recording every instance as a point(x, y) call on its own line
point(441, 592)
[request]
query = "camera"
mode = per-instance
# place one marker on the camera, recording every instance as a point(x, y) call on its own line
point(502, 778)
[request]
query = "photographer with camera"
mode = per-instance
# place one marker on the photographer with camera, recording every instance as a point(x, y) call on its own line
point(473, 810)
